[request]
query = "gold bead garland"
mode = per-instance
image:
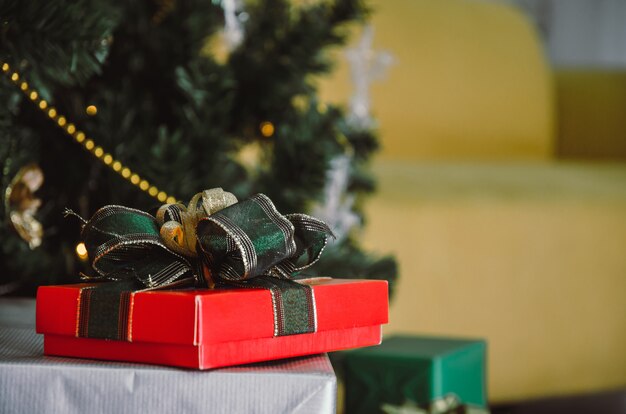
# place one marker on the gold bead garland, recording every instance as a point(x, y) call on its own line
point(80, 137)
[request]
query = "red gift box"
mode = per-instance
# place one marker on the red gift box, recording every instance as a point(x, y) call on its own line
point(214, 328)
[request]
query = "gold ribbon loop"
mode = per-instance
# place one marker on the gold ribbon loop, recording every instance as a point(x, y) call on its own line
point(180, 234)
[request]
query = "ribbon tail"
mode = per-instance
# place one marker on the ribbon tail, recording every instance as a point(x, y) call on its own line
point(293, 304)
point(104, 310)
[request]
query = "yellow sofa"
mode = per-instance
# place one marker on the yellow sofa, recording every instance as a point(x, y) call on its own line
point(496, 236)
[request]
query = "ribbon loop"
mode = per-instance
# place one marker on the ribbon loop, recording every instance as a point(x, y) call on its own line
point(178, 223)
point(124, 243)
point(243, 241)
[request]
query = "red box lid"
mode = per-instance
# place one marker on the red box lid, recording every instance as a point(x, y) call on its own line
point(196, 317)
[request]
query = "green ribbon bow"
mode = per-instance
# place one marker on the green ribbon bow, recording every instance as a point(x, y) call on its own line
point(246, 244)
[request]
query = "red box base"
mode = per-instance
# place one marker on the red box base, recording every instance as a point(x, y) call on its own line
point(213, 355)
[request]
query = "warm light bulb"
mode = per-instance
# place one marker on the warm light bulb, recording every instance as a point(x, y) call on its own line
point(267, 129)
point(81, 251)
point(91, 110)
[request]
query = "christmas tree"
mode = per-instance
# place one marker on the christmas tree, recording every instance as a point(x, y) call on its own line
point(143, 102)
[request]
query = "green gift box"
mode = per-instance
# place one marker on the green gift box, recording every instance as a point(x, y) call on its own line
point(416, 369)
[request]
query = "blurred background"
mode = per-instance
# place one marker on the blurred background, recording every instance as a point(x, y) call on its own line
point(502, 185)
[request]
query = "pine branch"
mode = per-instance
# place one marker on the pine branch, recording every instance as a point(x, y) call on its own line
point(63, 42)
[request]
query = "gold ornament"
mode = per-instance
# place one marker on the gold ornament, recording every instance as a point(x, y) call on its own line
point(22, 205)
point(79, 136)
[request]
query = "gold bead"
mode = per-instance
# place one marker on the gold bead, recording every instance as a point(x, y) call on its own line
point(98, 152)
point(91, 110)
point(144, 185)
point(89, 144)
point(43, 104)
point(5, 67)
point(107, 159)
point(15, 77)
point(70, 129)
point(24, 86)
point(81, 251)
point(80, 137)
point(117, 166)
point(267, 129)
point(52, 112)
point(33, 95)
point(153, 191)
point(162, 196)
point(171, 200)
point(61, 121)
point(126, 172)
point(134, 179)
